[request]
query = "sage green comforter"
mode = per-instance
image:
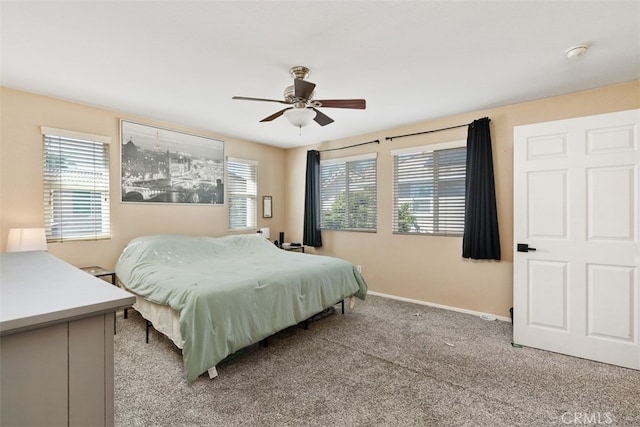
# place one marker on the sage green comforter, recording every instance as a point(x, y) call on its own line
point(232, 291)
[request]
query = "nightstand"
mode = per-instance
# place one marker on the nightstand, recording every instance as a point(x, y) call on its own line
point(102, 272)
point(292, 248)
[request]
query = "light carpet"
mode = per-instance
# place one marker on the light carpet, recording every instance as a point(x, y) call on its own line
point(383, 363)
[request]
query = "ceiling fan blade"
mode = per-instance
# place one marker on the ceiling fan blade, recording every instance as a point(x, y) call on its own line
point(359, 104)
point(275, 115)
point(303, 89)
point(321, 118)
point(244, 98)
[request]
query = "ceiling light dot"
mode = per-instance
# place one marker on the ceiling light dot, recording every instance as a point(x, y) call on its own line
point(576, 51)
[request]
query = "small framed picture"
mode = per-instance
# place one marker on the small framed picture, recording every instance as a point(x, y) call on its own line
point(266, 207)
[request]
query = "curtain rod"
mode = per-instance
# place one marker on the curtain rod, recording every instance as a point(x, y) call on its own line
point(390, 138)
point(377, 141)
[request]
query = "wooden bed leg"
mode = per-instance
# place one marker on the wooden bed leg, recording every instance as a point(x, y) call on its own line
point(306, 325)
point(148, 324)
point(342, 303)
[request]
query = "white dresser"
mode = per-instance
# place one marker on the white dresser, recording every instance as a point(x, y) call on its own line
point(56, 348)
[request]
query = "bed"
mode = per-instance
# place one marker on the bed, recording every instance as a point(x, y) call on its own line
point(213, 296)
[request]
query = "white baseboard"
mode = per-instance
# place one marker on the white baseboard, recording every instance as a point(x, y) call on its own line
point(445, 307)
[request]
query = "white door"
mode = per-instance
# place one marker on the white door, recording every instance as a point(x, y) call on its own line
point(576, 194)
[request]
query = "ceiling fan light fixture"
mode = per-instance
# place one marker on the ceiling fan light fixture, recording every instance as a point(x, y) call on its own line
point(300, 117)
point(303, 106)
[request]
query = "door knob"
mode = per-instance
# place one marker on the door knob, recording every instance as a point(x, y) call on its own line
point(523, 247)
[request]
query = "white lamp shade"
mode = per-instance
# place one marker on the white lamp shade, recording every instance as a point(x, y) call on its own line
point(300, 117)
point(26, 239)
point(266, 232)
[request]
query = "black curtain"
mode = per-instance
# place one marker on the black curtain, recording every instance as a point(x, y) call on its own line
point(481, 239)
point(312, 235)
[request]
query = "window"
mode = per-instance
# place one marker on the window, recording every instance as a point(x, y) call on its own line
point(76, 186)
point(242, 190)
point(429, 189)
point(348, 193)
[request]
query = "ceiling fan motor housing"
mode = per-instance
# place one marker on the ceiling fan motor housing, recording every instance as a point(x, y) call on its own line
point(290, 95)
point(299, 72)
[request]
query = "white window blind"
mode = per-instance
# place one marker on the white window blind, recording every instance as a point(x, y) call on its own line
point(76, 186)
point(242, 190)
point(348, 193)
point(429, 190)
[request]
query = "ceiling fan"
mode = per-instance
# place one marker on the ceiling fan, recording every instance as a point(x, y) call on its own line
point(304, 107)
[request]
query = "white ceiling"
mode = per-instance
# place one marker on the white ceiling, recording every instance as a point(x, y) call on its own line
point(181, 62)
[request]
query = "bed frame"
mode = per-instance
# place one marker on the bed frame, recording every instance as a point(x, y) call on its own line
point(166, 320)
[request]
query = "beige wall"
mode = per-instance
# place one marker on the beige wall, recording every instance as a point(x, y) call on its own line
point(430, 268)
point(423, 268)
point(21, 203)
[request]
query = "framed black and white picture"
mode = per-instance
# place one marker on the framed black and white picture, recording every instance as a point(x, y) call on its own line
point(165, 166)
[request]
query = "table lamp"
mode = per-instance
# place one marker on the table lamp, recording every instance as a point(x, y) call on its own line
point(26, 239)
point(266, 232)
